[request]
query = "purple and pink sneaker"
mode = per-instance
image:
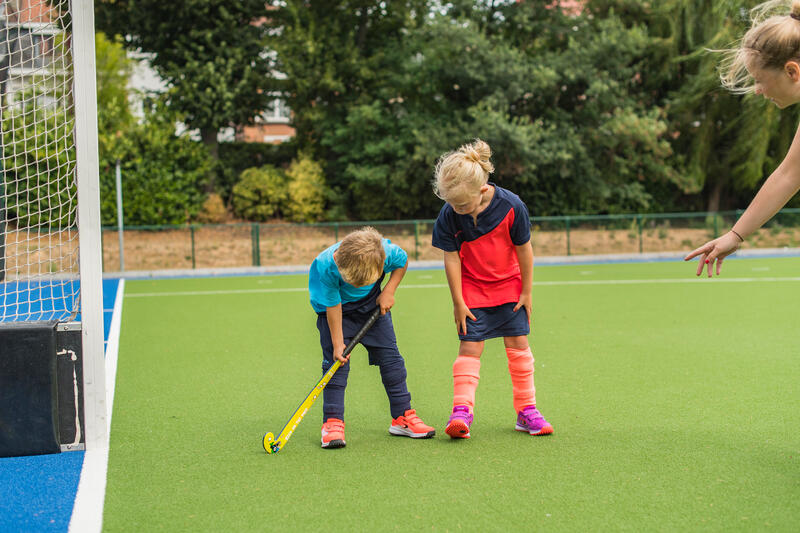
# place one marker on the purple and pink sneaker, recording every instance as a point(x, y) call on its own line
point(460, 420)
point(532, 421)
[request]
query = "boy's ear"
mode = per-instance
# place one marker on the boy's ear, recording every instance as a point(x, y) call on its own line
point(792, 69)
point(484, 188)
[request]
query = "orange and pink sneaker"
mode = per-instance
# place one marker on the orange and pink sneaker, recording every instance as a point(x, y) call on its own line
point(333, 433)
point(460, 420)
point(410, 425)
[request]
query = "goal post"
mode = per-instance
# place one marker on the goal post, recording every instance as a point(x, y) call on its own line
point(89, 226)
point(51, 302)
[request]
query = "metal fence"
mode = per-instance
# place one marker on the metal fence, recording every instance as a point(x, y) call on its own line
point(241, 245)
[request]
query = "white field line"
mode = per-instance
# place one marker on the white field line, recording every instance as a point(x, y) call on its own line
point(87, 512)
point(444, 285)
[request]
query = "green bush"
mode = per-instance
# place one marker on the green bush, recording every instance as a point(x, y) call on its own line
point(236, 157)
point(307, 191)
point(213, 211)
point(260, 194)
point(163, 174)
point(39, 183)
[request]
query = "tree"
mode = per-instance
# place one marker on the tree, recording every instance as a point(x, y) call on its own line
point(556, 96)
point(451, 84)
point(114, 115)
point(163, 172)
point(211, 53)
point(604, 141)
point(335, 53)
point(733, 142)
point(339, 58)
point(725, 144)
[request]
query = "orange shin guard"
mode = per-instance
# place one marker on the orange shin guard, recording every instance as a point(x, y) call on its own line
point(520, 366)
point(466, 372)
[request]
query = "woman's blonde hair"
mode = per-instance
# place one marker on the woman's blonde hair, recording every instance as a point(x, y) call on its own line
point(772, 40)
point(465, 169)
point(360, 257)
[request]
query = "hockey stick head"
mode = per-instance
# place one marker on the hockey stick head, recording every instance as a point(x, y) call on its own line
point(270, 446)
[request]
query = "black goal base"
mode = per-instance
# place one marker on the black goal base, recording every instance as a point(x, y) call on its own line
point(41, 388)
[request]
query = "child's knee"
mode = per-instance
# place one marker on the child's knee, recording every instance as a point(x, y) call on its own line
point(393, 371)
point(520, 361)
point(517, 343)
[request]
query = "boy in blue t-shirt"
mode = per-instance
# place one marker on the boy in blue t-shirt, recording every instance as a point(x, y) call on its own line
point(345, 286)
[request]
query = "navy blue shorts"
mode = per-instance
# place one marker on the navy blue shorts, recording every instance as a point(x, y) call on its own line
point(498, 321)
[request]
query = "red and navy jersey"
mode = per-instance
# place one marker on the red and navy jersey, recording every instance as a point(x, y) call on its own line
point(490, 274)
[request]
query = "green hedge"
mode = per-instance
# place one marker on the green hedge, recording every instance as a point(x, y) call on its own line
point(236, 157)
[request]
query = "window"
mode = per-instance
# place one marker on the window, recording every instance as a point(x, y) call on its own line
point(276, 112)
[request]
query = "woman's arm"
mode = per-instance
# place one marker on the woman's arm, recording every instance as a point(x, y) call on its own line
point(781, 185)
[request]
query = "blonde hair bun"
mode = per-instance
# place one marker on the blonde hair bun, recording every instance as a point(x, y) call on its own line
point(464, 170)
point(479, 152)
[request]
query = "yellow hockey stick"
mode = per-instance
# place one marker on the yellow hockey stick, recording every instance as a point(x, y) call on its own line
point(273, 445)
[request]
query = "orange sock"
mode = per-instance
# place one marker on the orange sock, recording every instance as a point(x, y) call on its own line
point(466, 372)
point(520, 365)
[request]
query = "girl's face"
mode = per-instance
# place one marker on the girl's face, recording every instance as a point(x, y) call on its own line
point(468, 203)
point(781, 86)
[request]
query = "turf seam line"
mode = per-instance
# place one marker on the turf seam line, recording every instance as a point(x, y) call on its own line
point(443, 285)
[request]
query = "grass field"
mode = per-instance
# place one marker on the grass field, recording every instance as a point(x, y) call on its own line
point(674, 401)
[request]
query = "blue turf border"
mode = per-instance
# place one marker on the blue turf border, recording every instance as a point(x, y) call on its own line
point(37, 493)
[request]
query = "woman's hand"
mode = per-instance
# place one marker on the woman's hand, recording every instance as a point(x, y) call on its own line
point(715, 252)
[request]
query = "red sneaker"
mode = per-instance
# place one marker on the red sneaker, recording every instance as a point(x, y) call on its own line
point(333, 433)
point(410, 425)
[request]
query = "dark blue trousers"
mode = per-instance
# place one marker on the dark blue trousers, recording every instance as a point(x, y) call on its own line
point(381, 345)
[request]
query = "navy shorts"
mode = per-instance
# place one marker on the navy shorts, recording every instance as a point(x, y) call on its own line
point(498, 321)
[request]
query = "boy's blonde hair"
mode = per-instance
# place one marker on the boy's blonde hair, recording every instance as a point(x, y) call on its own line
point(360, 257)
point(464, 170)
point(772, 40)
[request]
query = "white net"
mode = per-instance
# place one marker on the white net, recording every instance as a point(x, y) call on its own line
point(38, 200)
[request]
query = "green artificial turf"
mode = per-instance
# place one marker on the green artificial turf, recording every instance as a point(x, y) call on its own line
point(675, 407)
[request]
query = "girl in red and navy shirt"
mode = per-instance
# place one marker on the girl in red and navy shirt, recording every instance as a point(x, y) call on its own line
point(484, 231)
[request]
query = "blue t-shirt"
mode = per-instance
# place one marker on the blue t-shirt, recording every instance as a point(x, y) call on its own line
point(328, 289)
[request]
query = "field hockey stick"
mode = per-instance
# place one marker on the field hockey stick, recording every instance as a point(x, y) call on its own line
point(273, 445)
